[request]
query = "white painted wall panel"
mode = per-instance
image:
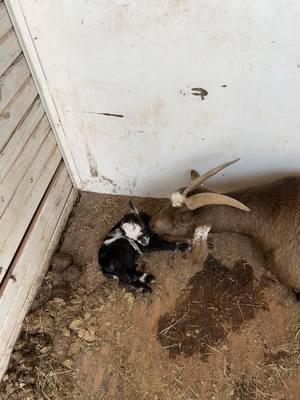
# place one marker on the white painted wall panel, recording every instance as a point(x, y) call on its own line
point(140, 59)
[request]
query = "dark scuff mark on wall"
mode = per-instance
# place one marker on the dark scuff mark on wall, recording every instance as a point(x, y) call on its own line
point(105, 178)
point(199, 92)
point(195, 91)
point(105, 113)
point(110, 182)
point(92, 165)
point(224, 85)
point(113, 115)
point(5, 114)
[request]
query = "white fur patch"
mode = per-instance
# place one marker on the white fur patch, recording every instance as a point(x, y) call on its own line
point(201, 233)
point(177, 199)
point(145, 241)
point(143, 278)
point(134, 245)
point(132, 230)
point(115, 235)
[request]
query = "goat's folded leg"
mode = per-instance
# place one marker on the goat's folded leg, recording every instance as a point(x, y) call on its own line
point(137, 280)
point(200, 246)
point(158, 244)
point(297, 294)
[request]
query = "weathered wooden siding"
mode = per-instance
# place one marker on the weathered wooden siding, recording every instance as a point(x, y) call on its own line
point(36, 192)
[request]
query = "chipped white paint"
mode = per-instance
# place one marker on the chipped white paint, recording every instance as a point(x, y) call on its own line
point(126, 80)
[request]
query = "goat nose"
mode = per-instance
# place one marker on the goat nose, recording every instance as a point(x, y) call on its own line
point(157, 226)
point(154, 224)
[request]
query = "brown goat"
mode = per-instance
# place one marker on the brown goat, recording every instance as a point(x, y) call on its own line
point(274, 219)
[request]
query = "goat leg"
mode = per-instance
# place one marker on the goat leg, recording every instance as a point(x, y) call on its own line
point(137, 280)
point(200, 246)
point(158, 244)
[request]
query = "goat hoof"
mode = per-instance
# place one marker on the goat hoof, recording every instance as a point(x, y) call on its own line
point(147, 289)
point(297, 294)
point(150, 279)
point(182, 247)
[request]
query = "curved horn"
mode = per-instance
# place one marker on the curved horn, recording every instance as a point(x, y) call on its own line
point(209, 199)
point(198, 181)
point(201, 188)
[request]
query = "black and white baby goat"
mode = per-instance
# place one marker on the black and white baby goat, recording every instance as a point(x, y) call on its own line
point(125, 243)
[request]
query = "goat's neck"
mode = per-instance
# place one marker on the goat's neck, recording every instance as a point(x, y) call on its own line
point(227, 219)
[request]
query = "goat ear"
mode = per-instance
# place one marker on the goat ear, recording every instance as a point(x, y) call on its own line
point(133, 207)
point(209, 199)
point(201, 179)
point(194, 174)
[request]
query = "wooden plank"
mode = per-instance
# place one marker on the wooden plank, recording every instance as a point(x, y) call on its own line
point(9, 50)
point(61, 180)
point(19, 212)
point(12, 80)
point(15, 111)
point(5, 22)
point(19, 168)
point(20, 136)
point(29, 48)
point(32, 260)
point(15, 323)
point(38, 280)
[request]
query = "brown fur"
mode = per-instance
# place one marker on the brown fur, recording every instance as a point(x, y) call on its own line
point(274, 222)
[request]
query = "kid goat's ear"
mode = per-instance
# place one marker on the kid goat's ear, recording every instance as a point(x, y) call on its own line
point(133, 207)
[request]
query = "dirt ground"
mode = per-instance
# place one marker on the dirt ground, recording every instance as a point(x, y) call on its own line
point(228, 331)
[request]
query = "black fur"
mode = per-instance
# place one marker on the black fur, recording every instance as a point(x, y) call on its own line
point(118, 259)
point(297, 294)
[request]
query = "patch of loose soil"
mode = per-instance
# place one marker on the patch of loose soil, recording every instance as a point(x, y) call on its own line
point(227, 331)
point(216, 300)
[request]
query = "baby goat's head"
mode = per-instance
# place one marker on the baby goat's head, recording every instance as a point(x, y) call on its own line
point(135, 226)
point(177, 221)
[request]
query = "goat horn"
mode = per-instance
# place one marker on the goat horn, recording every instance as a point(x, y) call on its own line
point(194, 175)
point(198, 181)
point(207, 199)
